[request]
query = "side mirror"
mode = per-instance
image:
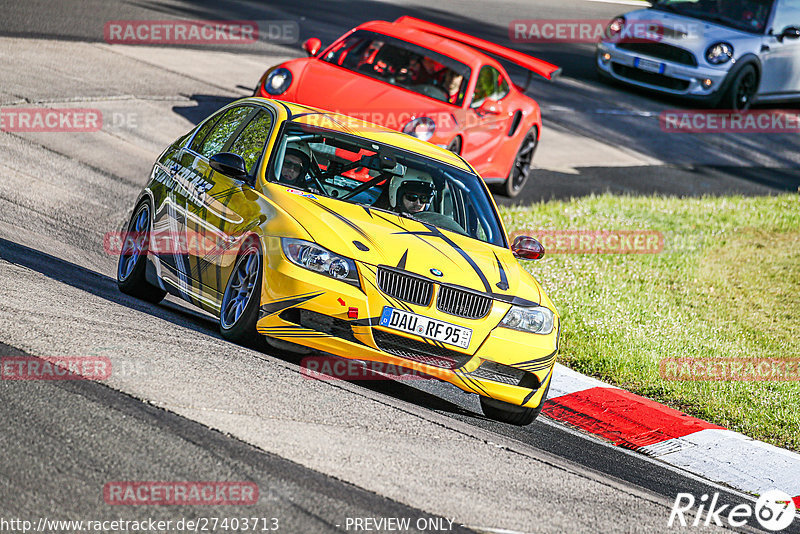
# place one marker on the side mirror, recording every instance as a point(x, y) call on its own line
point(790, 32)
point(229, 164)
point(527, 248)
point(486, 107)
point(312, 46)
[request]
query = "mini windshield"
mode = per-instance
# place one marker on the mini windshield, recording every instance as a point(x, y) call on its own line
point(361, 171)
point(745, 15)
point(402, 64)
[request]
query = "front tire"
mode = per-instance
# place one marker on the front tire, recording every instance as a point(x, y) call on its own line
point(739, 96)
point(240, 302)
point(511, 413)
point(521, 169)
point(132, 264)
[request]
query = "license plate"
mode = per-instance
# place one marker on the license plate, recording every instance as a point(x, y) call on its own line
point(649, 66)
point(426, 327)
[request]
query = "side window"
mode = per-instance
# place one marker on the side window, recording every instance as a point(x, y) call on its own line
point(787, 14)
point(223, 130)
point(491, 84)
point(203, 132)
point(250, 143)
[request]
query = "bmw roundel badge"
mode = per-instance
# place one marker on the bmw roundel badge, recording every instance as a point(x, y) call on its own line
point(436, 272)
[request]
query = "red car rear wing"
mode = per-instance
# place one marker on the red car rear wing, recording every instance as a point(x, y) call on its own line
point(538, 66)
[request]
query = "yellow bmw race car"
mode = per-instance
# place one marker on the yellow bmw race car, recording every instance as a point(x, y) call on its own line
point(318, 229)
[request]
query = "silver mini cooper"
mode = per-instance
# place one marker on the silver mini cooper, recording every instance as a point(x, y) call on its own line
point(719, 53)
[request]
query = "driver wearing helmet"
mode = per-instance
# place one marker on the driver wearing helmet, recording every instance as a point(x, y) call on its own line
point(295, 167)
point(412, 192)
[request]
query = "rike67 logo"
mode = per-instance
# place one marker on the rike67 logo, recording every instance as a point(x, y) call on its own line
point(774, 511)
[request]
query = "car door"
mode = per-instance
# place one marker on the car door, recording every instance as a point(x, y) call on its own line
point(486, 118)
point(230, 208)
point(190, 173)
point(781, 63)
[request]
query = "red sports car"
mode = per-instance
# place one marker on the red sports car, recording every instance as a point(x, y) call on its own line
point(434, 83)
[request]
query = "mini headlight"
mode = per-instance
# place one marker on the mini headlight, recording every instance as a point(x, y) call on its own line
point(421, 128)
point(615, 27)
point(321, 260)
point(538, 320)
point(278, 81)
point(719, 53)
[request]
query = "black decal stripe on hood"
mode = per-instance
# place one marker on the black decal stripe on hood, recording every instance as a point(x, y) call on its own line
point(503, 283)
point(435, 232)
point(402, 263)
point(279, 305)
point(348, 222)
point(405, 230)
point(516, 301)
point(369, 211)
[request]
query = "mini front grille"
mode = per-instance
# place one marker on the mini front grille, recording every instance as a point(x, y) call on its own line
point(661, 51)
point(404, 286)
point(463, 303)
point(419, 351)
point(650, 78)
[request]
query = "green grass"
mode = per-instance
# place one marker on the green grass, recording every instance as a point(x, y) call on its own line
point(726, 285)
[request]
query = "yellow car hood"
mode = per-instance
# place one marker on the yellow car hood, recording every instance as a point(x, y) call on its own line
point(378, 237)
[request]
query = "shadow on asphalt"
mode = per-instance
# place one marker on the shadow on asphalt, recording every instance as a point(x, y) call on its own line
point(105, 287)
point(205, 106)
point(101, 286)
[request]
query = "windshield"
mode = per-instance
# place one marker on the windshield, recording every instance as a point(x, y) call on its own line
point(402, 64)
point(745, 15)
point(361, 171)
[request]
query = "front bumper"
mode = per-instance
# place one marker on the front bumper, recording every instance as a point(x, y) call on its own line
point(310, 309)
point(673, 78)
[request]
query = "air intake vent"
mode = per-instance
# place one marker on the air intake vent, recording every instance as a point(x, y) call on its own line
point(419, 351)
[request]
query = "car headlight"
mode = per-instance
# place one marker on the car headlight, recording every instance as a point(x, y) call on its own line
point(719, 53)
point(615, 27)
point(278, 81)
point(321, 260)
point(538, 320)
point(421, 128)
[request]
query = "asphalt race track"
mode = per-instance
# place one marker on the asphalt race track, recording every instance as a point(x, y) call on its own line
point(185, 405)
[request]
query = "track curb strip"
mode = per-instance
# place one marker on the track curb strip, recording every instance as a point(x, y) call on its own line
point(670, 436)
